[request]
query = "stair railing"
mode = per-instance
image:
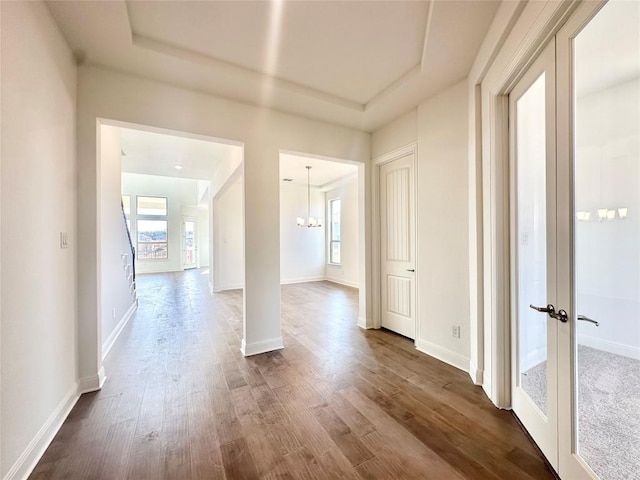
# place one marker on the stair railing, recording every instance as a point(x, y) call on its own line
point(133, 250)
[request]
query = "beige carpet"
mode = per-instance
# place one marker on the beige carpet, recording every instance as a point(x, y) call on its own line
point(608, 410)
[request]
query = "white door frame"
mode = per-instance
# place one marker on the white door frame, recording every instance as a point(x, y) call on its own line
point(538, 22)
point(411, 149)
point(190, 218)
point(542, 427)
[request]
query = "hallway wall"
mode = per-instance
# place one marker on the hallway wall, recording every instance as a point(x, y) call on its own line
point(116, 301)
point(38, 199)
point(440, 128)
point(104, 94)
point(231, 238)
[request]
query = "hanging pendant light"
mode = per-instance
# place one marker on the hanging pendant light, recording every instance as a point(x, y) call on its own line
point(309, 221)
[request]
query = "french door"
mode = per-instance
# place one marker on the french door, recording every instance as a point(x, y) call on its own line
point(575, 244)
point(189, 243)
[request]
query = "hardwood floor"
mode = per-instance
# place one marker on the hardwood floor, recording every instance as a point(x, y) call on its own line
point(181, 402)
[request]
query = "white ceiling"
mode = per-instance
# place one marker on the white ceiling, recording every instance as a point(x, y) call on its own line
point(152, 153)
point(355, 63)
point(322, 174)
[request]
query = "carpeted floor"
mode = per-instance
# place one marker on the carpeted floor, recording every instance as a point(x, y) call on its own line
point(608, 410)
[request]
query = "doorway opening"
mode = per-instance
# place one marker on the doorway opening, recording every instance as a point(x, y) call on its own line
point(156, 190)
point(575, 244)
point(321, 241)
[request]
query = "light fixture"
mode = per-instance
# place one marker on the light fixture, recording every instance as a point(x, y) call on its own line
point(611, 214)
point(602, 213)
point(583, 216)
point(309, 221)
point(622, 212)
point(178, 167)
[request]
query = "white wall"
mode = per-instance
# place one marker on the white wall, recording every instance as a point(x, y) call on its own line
point(443, 242)
point(302, 250)
point(115, 295)
point(441, 132)
point(103, 94)
point(230, 236)
point(180, 192)
point(398, 133)
point(608, 252)
point(348, 272)
point(38, 188)
point(203, 237)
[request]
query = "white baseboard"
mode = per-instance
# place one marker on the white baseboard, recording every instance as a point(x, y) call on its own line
point(111, 340)
point(264, 346)
point(477, 375)
point(39, 444)
point(447, 356)
point(224, 288)
point(609, 346)
point(92, 383)
point(365, 324)
point(486, 384)
point(291, 281)
point(342, 281)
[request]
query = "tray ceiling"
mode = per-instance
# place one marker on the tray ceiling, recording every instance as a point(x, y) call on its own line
point(354, 63)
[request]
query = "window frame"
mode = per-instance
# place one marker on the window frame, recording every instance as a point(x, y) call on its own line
point(331, 240)
point(151, 217)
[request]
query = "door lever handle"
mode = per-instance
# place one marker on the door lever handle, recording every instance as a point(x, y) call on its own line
point(587, 319)
point(410, 270)
point(548, 309)
point(560, 315)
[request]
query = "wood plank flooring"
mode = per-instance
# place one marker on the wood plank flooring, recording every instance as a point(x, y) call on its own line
point(337, 402)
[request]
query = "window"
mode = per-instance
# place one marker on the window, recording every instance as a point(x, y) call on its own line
point(334, 231)
point(152, 206)
point(152, 240)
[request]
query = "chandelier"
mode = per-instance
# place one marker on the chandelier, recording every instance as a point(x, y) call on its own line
point(309, 221)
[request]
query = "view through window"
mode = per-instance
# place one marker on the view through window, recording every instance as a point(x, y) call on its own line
point(152, 228)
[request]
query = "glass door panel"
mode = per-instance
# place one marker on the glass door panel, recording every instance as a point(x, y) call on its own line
point(531, 237)
point(532, 200)
point(606, 99)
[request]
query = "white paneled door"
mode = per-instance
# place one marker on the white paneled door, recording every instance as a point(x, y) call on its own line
point(397, 246)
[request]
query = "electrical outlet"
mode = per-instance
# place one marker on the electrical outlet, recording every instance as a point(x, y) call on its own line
point(455, 331)
point(64, 240)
